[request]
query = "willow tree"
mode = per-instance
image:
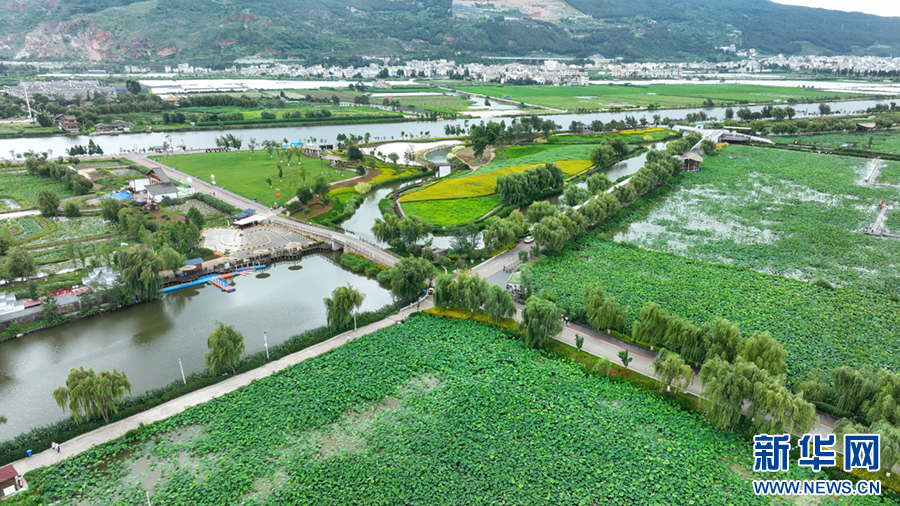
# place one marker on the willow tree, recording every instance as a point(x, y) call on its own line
point(471, 291)
point(541, 321)
point(339, 308)
point(140, 268)
point(765, 352)
point(670, 368)
point(88, 394)
point(226, 346)
point(602, 311)
point(889, 443)
point(498, 304)
point(771, 407)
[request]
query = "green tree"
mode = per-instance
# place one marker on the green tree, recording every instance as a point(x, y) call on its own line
point(195, 217)
point(88, 394)
point(708, 147)
point(471, 291)
point(498, 304)
point(19, 264)
point(6, 240)
point(670, 368)
point(602, 311)
point(540, 210)
point(575, 195)
point(44, 120)
point(321, 186)
point(170, 258)
point(824, 109)
point(133, 87)
point(623, 356)
point(579, 342)
point(728, 387)
point(602, 155)
point(109, 209)
point(51, 313)
point(765, 352)
point(339, 308)
point(71, 209)
point(550, 233)
point(541, 320)
point(599, 183)
point(409, 275)
point(304, 195)
point(354, 154)
point(226, 346)
point(48, 202)
point(140, 268)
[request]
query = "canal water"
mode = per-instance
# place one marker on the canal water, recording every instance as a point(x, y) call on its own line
point(378, 131)
point(147, 340)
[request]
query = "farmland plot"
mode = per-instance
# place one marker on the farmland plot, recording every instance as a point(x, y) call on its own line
point(786, 213)
point(433, 411)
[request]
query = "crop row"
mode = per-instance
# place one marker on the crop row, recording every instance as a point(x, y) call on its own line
point(431, 411)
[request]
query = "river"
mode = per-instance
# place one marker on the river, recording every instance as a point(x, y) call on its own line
point(378, 131)
point(147, 340)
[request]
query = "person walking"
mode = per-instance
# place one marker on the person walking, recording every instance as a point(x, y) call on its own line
point(53, 446)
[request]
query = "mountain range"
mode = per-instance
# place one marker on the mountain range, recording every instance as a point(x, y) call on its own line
point(216, 32)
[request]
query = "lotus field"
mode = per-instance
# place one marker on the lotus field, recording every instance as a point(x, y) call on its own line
point(780, 212)
point(882, 142)
point(433, 411)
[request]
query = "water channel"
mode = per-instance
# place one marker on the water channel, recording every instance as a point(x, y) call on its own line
point(147, 340)
point(378, 131)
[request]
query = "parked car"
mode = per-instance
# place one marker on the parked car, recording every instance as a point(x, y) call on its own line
point(529, 239)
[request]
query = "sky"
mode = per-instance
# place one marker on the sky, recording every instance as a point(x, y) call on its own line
point(876, 7)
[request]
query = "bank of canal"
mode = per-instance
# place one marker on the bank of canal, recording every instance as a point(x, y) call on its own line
point(146, 340)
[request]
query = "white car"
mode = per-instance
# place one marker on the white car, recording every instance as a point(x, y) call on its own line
point(529, 239)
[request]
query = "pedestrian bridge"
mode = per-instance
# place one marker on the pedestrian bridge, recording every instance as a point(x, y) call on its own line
point(339, 240)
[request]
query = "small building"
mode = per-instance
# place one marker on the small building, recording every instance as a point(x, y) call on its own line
point(9, 304)
point(335, 161)
point(154, 176)
point(443, 170)
point(865, 128)
point(691, 161)
point(250, 221)
point(172, 100)
point(158, 192)
point(116, 126)
point(243, 214)
point(66, 122)
point(101, 277)
point(158, 149)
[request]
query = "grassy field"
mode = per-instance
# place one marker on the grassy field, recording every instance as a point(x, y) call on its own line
point(434, 411)
point(452, 212)
point(882, 142)
point(24, 188)
point(779, 212)
point(662, 95)
point(528, 155)
point(637, 136)
point(441, 103)
point(236, 172)
point(482, 184)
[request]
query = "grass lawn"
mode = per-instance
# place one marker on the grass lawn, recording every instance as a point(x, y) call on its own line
point(237, 172)
point(452, 212)
point(882, 142)
point(664, 95)
point(889, 174)
point(433, 411)
point(780, 212)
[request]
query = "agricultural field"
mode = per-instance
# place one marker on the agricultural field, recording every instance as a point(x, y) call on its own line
point(241, 173)
point(444, 104)
point(882, 142)
point(481, 184)
point(433, 411)
point(68, 229)
point(890, 174)
point(23, 188)
point(819, 328)
point(637, 136)
point(661, 95)
point(28, 227)
point(452, 212)
point(779, 212)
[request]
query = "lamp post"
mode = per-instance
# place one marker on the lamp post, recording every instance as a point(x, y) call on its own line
point(182, 371)
point(266, 339)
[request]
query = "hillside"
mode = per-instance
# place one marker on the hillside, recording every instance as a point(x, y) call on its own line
point(215, 32)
